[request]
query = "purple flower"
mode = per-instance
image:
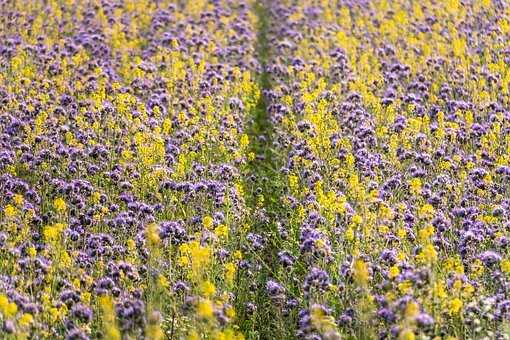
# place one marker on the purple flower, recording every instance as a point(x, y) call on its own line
point(490, 257)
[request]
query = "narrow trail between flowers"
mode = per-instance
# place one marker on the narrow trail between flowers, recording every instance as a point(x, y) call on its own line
point(264, 185)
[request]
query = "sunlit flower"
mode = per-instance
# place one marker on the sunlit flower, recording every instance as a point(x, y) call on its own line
point(60, 205)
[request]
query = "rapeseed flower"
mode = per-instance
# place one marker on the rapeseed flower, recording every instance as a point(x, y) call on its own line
point(60, 205)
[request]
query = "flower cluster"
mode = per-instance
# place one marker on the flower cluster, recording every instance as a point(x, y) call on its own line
point(391, 119)
point(120, 189)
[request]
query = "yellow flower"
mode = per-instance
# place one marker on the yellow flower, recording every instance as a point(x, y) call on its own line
point(468, 290)
point(349, 234)
point(221, 231)
point(373, 194)
point(405, 286)
point(393, 272)
point(321, 320)
point(361, 274)
point(18, 200)
point(425, 233)
point(95, 197)
point(107, 306)
point(415, 185)
point(208, 288)
point(230, 312)
point(131, 244)
point(11, 310)
point(457, 285)
point(155, 332)
point(8, 309)
point(207, 222)
point(406, 334)
point(152, 234)
point(293, 182)
point(383, 229)
point(230, 270)
point(205, 309)
point(390, 296)
point(238, 255)
point(193, 335)
point(428, 254)
point(112, 333)
point(426, 211)
point(50, 233)
point(412, 310)
point(10, 211)
point(401, 233)
point(357, 219)
point(439, 290)
point(86, 297)
point(31, 252)
point(183, 261)
point(244, 141)
point(320, 244)
point(401, 256)
point(54, 313)
point(77, 283)
point(25, 320)
point(455, 306)
point(386, 212)
point(163, 282)
point(60, 205)
point(65, 259)
point(477, 268)
point(505, 266)
point(167, 126)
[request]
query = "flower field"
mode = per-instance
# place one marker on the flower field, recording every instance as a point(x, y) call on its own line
point(255, 169)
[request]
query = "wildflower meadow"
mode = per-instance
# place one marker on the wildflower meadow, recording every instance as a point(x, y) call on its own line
point(255, 169)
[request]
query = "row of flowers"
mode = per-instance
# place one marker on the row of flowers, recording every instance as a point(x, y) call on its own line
point(392, 122)
point(120, 155)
